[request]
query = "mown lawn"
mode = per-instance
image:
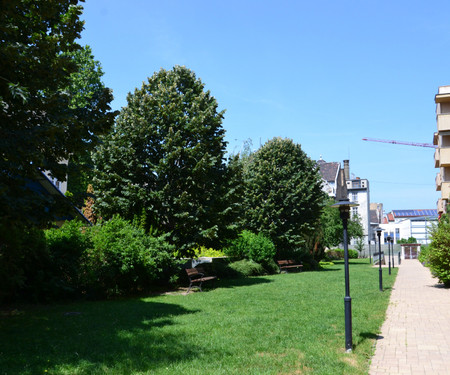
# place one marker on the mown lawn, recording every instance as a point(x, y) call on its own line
point(280, 324)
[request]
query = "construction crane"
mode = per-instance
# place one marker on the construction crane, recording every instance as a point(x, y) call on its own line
point(400, 142)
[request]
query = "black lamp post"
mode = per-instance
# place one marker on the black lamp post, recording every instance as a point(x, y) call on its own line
point(389, 252)
point(392, 247)
point(380, 272)
point(344, 209)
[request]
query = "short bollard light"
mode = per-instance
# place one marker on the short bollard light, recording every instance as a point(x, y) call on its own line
point(380, 272)
point(388, 238)
point(344, 209)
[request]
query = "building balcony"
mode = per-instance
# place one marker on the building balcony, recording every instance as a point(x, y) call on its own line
point(443, 122)
point(444, 157)
point(438, 182)
point(445, 190)
point(442, 206)
point(436, 158)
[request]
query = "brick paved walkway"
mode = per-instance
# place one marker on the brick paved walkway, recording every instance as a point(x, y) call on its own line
point(415, 338)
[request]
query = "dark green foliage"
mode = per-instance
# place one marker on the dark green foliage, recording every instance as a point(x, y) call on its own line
point(39, 126)
point(247, 267)
point(439, 251)
point(124, 259)
point(251, 246)
point(23, 262)
point(85, 88)
point(166, 157)
point(283, 196)
point(66, 247)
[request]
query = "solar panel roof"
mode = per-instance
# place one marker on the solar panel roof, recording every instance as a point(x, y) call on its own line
point(414, 213)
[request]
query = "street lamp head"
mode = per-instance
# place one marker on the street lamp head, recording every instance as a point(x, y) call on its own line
point(379, 230)
point(388, 238)
point(344, 207)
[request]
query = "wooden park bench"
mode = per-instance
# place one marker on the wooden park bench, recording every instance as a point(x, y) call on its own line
point(197, 277)
point(289, 264)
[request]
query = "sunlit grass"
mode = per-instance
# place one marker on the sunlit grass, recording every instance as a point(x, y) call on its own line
point(280, 324)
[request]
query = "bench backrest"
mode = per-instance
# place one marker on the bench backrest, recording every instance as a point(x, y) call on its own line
point(286, 262)
point(193, 271)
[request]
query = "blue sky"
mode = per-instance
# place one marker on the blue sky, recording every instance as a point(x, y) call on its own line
point(323, 73)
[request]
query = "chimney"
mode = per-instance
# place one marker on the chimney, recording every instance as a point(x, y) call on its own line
point(347, 169)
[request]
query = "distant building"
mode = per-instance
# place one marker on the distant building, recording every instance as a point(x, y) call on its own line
point(329, 173)
point(442, 140)
point(357, 189)
point(403, 224)
point(61, 185)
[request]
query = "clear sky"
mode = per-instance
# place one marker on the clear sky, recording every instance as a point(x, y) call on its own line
point(323, 73)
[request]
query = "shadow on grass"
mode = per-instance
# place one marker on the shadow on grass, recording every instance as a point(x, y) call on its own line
point(120, 335)
point(363, 336)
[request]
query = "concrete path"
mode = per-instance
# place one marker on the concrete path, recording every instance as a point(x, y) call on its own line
point(415, 338)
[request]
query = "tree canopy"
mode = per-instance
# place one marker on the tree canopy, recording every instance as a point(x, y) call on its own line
point(283, 194)
point(164, 161)
point(41, 123)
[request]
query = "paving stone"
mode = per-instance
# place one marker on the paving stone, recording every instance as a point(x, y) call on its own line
point(416, 332)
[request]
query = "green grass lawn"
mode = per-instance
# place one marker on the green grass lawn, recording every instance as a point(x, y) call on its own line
point(280, 324)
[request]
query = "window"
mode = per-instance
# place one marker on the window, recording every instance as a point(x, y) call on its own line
point(397, 233)
point(354, 211)
point(354, 197)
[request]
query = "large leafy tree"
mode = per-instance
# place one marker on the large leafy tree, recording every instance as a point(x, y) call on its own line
point(165, 160)
point(283, 195)
point(40, 123)
point(331, 229)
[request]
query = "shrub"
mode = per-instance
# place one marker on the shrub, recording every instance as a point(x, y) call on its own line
point(247, 267)
point(424, 255)
point(124, 259)
point(66, 246)
point(24, 263)
point(254, 247)
point(439, 251)
point(335, 254)
point(203, 251)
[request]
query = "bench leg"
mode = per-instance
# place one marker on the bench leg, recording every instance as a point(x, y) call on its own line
point(194, 286)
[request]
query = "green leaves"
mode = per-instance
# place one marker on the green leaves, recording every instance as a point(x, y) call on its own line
point(46, 112)
point(165, 155)
point(283, 195)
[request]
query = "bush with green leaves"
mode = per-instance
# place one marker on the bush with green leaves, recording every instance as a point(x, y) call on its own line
point(24, 263)
point(66, 247)
point(424, 255)
point(124, 259)
point(204, 251)
point(439, 251)
point(247, 267)
point(256, 247)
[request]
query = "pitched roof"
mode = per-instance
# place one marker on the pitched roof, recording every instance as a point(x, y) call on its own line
point(328, 171)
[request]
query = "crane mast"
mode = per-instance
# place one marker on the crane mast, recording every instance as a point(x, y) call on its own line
point(400, 142)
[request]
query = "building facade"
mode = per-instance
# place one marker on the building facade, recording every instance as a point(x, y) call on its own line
point(403, 224)
point(441, 139)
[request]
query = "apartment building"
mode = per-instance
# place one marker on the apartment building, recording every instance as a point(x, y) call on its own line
point(442, 140)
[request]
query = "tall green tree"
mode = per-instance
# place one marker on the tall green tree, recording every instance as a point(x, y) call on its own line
point(166, 156)
point(40, 125)
point(283, 195)
point(85, 87)
point(331, 228)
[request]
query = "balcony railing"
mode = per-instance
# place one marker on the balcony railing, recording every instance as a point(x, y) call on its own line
point(443, 122)
point(438, 182)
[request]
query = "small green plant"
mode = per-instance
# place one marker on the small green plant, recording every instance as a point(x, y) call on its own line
point(203, 251)
point(424, 255)
point(439, 251)
point(252, 246)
